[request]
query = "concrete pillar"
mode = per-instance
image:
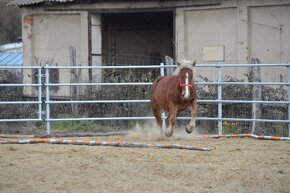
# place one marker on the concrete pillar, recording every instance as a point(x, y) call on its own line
point(242, 32)
point(84, 38)
point(84, 50)
point(96, 32)
point(27, 35)
point(179, 34)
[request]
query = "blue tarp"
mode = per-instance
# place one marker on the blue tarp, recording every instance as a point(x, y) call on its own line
point(11, 59)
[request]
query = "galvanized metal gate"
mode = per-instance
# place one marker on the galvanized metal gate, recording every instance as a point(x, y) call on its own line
point(44, 115)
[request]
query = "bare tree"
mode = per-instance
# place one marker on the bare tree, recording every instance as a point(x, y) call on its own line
point(10, 23)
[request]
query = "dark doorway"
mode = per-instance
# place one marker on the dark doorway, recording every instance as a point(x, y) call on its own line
point(137, 38)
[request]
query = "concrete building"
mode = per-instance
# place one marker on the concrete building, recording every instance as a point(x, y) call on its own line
point(231, 31)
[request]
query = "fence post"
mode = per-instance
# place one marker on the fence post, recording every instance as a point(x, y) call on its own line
point(257, 93)
point(163, 113)
point(288, 97)
point(47, 100)
point(169, 61)
point(74, 78)
point(220, 104)
point(39, 93)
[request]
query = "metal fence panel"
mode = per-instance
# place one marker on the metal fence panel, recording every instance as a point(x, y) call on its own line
point(219, 101)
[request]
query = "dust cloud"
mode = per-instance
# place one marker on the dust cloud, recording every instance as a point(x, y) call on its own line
point(150, 131)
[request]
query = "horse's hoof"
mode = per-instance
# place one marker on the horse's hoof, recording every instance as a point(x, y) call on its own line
point(189, 128)
point(168, 134)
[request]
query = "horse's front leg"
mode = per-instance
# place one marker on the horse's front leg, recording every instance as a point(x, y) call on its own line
point(157, 114)
point(169, 130)
point(191, 125)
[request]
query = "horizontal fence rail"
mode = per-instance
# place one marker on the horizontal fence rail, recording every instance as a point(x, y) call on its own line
point(147, 101)
point(39, 98)
point(219, 101)
point(150, 83)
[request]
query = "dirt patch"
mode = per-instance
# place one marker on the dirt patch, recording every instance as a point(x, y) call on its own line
point(236, 165)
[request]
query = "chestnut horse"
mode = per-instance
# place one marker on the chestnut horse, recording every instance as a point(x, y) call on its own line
point(174, 94)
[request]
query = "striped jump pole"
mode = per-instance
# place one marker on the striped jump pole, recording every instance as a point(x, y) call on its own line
point(265, 137)
point(104, 143)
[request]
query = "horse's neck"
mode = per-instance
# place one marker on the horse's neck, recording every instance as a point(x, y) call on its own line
point(174, 81)
point(174, 78)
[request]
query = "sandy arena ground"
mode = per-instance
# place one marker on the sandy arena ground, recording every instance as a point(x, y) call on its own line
point(236, 165)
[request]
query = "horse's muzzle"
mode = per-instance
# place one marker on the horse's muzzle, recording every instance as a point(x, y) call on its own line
point(186, 98)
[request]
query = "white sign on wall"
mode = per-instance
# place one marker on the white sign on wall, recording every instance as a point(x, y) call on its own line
point(213, 53)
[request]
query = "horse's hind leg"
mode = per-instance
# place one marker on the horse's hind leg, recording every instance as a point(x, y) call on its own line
point(191, 125)
point(157, 115)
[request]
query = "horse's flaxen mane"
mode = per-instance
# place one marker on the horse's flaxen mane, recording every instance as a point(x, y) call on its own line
point(183, 64)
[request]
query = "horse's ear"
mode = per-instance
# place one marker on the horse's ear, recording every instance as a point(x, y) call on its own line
point(178, 64)
point(194, 63)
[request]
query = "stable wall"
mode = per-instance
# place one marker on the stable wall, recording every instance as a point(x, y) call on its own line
point(47, 38)
point(247, 29)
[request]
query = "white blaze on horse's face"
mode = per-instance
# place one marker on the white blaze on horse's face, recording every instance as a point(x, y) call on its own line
point(187, 93)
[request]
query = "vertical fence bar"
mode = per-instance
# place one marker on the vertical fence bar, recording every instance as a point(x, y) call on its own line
point(39, 94)
point(163, 113)
point(256, 93)
point(288, 97)
point(47, 93)
point(220, 104)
